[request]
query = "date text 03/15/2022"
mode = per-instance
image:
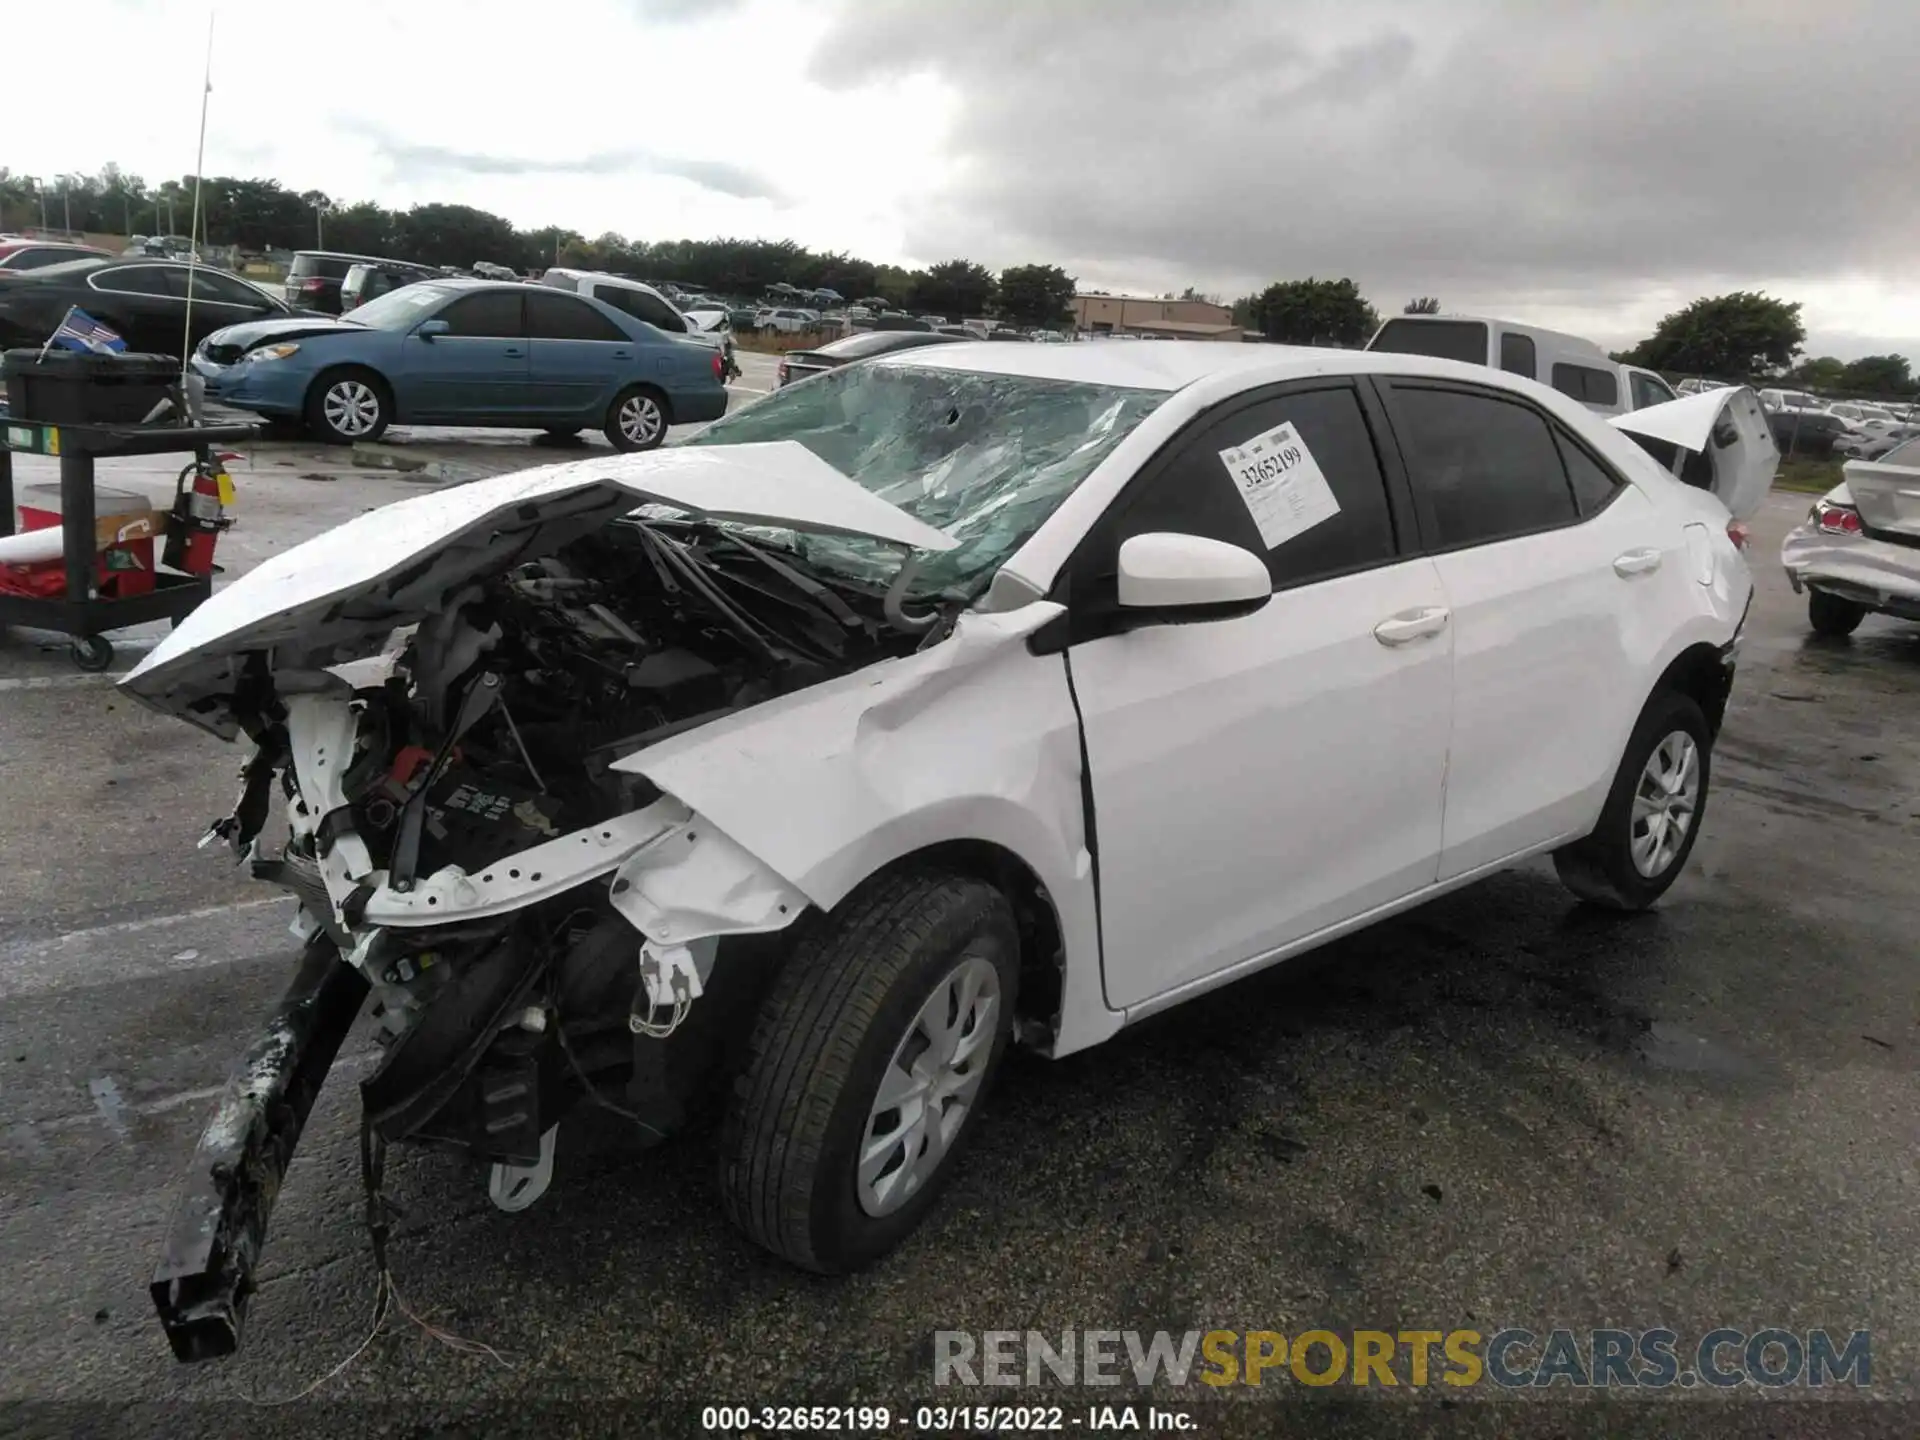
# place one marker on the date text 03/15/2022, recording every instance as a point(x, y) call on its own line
point(943, 1419)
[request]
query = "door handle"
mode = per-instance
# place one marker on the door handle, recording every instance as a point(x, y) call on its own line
point(1411, 625)
point(513, 352)
point(1636, 562)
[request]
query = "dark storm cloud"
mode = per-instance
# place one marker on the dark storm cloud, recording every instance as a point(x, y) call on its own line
point(426, 162)
point(1476, 146)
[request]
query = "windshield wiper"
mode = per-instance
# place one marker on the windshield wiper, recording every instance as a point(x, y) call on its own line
point(837, 608)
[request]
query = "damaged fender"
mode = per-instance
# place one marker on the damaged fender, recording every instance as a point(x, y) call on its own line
point(809, 794)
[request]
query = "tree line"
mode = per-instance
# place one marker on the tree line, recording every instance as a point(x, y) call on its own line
point(258, 215)
point(1741, 336)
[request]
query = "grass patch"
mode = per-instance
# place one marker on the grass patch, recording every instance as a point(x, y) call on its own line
point(1809, 477)
point(769, 342)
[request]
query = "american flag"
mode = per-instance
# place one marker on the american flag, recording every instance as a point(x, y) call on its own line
point(80, 331)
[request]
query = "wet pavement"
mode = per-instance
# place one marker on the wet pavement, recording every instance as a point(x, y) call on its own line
point(1498, 1110)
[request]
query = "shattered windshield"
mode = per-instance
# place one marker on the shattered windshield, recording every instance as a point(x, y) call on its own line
point(984, 457)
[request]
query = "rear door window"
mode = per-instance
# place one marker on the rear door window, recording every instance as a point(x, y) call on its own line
point(491, 315)
point(1594, 484)
point(140, 280)
point(1517, 355)
point(554, 316)
point(334, 268)
point(1487, 467)
point(1587, 384)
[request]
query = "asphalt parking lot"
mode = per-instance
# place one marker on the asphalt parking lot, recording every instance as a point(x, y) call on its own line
point(1497, 1110)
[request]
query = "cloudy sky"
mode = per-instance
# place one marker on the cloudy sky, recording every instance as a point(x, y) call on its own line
point(1584, 164)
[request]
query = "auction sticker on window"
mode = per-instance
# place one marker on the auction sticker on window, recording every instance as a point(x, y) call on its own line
point(1281, 483)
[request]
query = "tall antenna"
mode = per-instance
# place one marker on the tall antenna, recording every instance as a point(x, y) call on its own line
point(193, 229)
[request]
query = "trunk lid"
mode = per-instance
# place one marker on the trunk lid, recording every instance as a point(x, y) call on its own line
point(1887, 496)
point(347, 589)
point(1729, 429)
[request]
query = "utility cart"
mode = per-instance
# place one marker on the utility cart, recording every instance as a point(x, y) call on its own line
point(84, 608)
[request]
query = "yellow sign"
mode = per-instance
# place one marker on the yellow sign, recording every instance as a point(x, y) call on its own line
point(53, 440)
point(224, 482)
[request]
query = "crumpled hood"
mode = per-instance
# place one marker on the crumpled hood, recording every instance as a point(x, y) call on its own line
point(341, 593)
point(259, 332)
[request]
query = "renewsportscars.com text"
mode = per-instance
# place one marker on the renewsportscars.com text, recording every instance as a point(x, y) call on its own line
point(1512, 1358)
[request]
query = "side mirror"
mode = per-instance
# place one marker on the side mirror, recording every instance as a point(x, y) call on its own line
point(427, 329)
point(1169, 571)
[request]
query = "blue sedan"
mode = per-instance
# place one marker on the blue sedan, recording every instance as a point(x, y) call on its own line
point(467, 352)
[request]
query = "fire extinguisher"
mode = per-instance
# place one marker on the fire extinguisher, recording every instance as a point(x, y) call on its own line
point(201, 496)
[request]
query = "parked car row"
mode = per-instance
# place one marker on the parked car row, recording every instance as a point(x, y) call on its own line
point(21, 253)
point(1858, 551)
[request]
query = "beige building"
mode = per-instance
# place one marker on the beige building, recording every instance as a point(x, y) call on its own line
point(1172, 319)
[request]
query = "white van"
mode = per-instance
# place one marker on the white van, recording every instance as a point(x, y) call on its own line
point(643, 302)
point(1571, 365)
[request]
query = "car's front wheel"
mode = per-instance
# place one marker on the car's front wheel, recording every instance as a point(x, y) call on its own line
point(873, 1049)
point(348, 405)
point(1652, 815)
point(637, 419)
point(1830, 615)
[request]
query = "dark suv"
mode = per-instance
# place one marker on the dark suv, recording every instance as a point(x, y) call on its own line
point(313, 280)
point(367, 279)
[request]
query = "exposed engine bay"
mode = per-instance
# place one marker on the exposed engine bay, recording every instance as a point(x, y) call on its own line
point(489, 732)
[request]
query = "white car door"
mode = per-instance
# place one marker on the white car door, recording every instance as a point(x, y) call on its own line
point(1261, 776)
point(1554, 569)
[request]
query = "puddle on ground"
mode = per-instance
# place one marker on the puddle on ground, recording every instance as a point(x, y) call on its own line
point(1667, 1047)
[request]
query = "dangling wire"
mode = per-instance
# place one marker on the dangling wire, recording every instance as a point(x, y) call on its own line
point(386, 1293)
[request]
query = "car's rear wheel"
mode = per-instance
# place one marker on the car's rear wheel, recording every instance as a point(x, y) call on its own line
point(873, 1049)
point(1831, 615)
point(1653, 812)
point(638, 418)
point(345, 406)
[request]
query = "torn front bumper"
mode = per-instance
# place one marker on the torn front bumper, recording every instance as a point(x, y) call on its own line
point(206, 1271)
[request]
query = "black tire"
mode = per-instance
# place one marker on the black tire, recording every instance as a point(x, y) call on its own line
point(846, 999)
point(1600, 869)
point(635, 433)
point(1832, 616)
point(367, 389)
point(92, 653)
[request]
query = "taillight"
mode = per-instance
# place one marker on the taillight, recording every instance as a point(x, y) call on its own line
point(719, 366)
point(783, 372)
point(1836, 519)
point(1738, 534)
point(314, 282)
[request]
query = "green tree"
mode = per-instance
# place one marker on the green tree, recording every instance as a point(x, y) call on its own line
point(1825, 373)
point(1879, 375)
point(1314, 312)
point(1425, 305)
point(1726, 337)
point(1036, 294)
point(958, 289)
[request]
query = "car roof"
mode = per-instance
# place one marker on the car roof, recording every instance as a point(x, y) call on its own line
point(1574, 342)
point(1175, 364)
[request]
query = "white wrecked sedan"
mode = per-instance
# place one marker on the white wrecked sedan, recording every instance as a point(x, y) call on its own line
point(1858, 551)
point(973, 696)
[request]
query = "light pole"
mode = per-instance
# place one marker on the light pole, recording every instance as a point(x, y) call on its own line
point(320, 208)
point(40, 192)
